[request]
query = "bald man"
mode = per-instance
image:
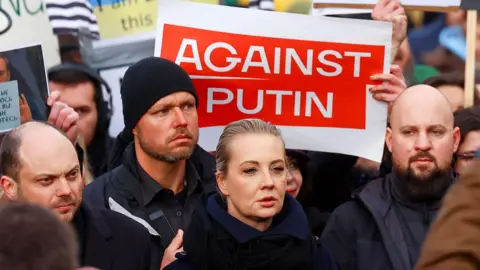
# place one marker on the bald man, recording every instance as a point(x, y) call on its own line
point(385, 224)
point(39, 164)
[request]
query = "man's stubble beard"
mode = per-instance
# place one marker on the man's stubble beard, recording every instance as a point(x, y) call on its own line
point(425, 187)
point(169, 157)
point(63, 217)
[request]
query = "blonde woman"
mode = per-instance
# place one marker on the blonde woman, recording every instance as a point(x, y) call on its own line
point(252, 223)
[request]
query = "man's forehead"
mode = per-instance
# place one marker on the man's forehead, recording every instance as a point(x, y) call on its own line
point(79, 95)
point(38, 161)
point(422, 117)
point(175, 98)
point(44, 147)
point(181, 95)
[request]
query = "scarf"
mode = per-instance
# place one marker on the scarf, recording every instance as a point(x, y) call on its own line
point(217, 241)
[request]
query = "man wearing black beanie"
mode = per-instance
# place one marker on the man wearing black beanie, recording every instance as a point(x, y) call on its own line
point(163, 174)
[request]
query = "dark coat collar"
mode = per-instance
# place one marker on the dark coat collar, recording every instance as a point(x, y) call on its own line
point(97, 235)
point(96, 220)
point(136, 188)
point(290, 221)
point(130, 161)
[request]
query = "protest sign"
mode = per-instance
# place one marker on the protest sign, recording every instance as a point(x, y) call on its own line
point(26, 66)
point(29, 25)
point(427, 5)
point(337, 11)
point(311, 78)
point(120, 18)
point(9, 106)
point(437, 3)
point(113, 77)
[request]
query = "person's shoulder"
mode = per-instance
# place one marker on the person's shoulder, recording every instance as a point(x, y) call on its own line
point(104, 177)
point(204, 163)
point(99, 181)
point(94, 192)
point(119, 224)
point(129, 238)
point(347, 208)
point(346, 216)
point(323, 257)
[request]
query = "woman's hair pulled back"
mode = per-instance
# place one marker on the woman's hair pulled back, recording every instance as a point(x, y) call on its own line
point(245, 126)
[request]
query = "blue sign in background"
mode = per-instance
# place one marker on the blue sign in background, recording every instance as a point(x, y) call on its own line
point(9, 106)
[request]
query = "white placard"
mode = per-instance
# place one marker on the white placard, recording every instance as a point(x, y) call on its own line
point(338, 11)
point(429, 3)
point(30, 25)
point(297, 71)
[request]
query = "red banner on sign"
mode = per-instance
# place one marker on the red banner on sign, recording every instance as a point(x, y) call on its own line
point(285, 81)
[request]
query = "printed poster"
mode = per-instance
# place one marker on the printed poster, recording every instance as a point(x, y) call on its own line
point(9, 106)
point(308, 75)
point(26, 66)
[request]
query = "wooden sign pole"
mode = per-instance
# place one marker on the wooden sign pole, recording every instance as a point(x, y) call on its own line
point(470, 64)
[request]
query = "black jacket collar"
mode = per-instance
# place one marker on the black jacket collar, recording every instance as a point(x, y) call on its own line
point(199, 165)
point(96, 235)
point(290, 221)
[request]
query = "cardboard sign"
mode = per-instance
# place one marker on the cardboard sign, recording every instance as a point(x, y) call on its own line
point(26, 66)
point(29, 25)
point(337, 11)
point(310, 78)
point(427, 5)
point(9, 106)
point(432, 3)
point(470, 4)
point(120, 18)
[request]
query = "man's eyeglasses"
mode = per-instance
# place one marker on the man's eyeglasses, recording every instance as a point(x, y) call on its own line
point(467, 155)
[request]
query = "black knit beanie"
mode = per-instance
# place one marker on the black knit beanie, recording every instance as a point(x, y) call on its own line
point(143, 85)
point(148, 81)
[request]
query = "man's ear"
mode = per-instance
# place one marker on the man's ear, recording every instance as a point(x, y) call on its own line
point(10, 187)
point(221, 183)
point(456, 139)
point(388, 139)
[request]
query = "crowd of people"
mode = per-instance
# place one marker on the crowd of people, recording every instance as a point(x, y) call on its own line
point(72, 197)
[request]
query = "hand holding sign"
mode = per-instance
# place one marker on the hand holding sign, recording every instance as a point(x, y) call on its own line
point(63, 117)
point(313, 83)
point(392, 11)
point(393, 85)
point(25, 112)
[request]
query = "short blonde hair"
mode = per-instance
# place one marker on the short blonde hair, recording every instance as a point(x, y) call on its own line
point(240, 127)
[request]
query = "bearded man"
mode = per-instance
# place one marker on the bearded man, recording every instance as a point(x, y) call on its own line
point(158, 183)
point(385, 224)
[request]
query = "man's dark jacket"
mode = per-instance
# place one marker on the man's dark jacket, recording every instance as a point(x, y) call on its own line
point(110, 241)
point(367, 233)
point(120, 185)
